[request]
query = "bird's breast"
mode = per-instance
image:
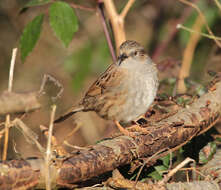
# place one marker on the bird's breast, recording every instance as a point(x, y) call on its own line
point(142, 88)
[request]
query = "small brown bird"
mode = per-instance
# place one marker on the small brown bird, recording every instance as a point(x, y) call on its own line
point(124, 91)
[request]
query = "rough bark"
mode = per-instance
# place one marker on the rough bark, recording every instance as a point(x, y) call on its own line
point(169, 133)
point(17, 174)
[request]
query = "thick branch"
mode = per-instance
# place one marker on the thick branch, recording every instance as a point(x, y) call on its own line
point(117, 22)
point(171, 132)
point(11, 102)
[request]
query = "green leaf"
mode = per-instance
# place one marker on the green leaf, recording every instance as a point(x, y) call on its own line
point(63, 21)
point(166, 160)
point(218, 140)
point(207, 152)
point(160, 169)
point(30, 36)
point(33, 3)
point(155, 175)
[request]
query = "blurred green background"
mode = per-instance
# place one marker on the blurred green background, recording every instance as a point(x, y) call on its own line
point(149, 22)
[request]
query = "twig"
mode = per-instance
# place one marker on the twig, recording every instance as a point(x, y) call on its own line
point(7, 122)
point(11, 72)
point(127, 8)
point(84, 8)
point(187, 176)
point(218, 4)
point(2, 132)
point(106, 32)
point(72, 132)
point(48, 151)
point(57, 148)
point(109, 154)
point(197, 32)
point(117, 22)
point(74, 146)
point(203, 18)
point(188, 56)
point(162, 46)
point(28, 134)
point(146, 161)
point(173, 171)
point(195, 170)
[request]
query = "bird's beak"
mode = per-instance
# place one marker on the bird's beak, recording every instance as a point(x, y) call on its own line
point(122, 57)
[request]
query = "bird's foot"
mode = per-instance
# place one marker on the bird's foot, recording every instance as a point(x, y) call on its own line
point(137, 128)
point(123, 130)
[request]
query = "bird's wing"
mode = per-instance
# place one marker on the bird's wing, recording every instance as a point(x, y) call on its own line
point(110, 79)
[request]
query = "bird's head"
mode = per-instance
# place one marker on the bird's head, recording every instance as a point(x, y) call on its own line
point(131, 50)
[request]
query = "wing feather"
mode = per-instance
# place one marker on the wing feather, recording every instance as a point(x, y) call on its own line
point(107, 82)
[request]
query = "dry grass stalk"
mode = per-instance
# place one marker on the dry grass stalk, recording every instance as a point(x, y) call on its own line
point(29, 135)
point(48, 155)
point(7, 122)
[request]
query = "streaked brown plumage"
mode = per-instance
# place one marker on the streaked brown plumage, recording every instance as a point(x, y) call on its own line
point(125, 90)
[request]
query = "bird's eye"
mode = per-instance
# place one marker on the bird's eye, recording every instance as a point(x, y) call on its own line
point(135, 53)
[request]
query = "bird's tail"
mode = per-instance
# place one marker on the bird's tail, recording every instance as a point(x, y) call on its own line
point(69, 113)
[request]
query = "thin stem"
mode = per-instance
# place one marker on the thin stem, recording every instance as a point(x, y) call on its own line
point(203, 18)
point(48, 151)
point(11, 72)
point(127, 8)
point(117, 23)
point(7, 120)
point(145, 162)
point(162, 46)
point(7, 125)
point(218, 4)
point(197, 32)
point(28, 134)
point(84, 8)
point(106, 32)
point(173, 171)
